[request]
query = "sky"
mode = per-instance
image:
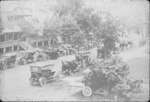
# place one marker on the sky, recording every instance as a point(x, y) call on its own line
point(135, 12)
point(131, 13)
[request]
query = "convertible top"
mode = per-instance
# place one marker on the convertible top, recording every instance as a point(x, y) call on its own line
point(45, 63)
point(68, 58)
point(54, 65)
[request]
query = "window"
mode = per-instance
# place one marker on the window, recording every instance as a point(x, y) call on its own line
point(1, 50)
point(15, 36)
point(19, 36)
point(8, 49)
point(49, 43)
point(52, 41)
point(10, 36)
point(15, 47)
point(20, 48)
point(39, 43)
point(6, 37)
point(45, 43)
point(2, 38)
point(34, 44)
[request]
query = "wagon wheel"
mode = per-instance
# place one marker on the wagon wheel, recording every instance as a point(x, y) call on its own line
point(42, 81)
point(87, 91)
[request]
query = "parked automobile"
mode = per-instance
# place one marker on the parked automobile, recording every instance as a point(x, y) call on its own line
point(51, 54)
point(8, 61)
point(110, 79)
point(3, 65)
point(70, 64)
point(69, 68)
point(44, 72)
point(26, 57)
point(40, 56)
point(11, 61)
point(96, 81)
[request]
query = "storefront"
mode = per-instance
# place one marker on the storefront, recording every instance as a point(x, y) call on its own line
point(9, 47)
point(10, 36)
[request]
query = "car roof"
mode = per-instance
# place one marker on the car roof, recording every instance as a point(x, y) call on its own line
point(10, 54)
point(45, 63)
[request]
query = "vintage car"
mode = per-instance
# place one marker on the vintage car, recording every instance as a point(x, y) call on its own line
point(96, 82)
point(40, 56)
point(69, 68)
point(3, 64)
point(65, 50)
point(110, 80)
point(70, 64)
point(61, 51)
point(44, 72)
point(30, 56)
point(51, 54)
point(25, 57)
point(8, 61)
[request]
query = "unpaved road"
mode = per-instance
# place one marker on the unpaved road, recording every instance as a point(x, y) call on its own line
point(15, 84)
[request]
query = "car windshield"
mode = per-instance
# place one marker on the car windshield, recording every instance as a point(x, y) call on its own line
point(34, 68)
point(38, 68)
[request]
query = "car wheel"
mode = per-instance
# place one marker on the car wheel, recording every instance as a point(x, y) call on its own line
point(31, 82)
point(42, 81)
point(22, 62)
point(87, 91)
point(4, 67)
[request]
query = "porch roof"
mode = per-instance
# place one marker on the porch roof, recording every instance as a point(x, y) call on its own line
point(8, 43)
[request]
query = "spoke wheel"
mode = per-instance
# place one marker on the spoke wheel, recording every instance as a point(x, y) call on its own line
point(87, 91)
point(31, 82)
point(42, 81)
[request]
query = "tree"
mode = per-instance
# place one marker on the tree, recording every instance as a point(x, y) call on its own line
point(102, 30)
point(85, 26)
point(1, 23)
point(66, 7)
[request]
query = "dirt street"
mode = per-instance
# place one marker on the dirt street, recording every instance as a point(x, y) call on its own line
point(15, 83)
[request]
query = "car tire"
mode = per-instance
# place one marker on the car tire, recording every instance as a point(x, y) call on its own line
point(31, 82)
point(87, 91)
point(22, 62)
point(42, 81)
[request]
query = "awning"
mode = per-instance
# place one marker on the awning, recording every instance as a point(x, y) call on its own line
point(8, 43)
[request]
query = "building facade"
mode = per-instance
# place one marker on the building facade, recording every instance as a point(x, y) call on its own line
point(9, 41)
point(37, 41)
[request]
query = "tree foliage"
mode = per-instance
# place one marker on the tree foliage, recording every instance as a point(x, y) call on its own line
point(84, 26)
